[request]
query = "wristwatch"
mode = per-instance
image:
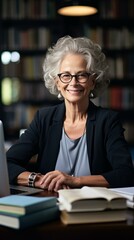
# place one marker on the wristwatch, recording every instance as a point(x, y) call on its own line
point(31, 179)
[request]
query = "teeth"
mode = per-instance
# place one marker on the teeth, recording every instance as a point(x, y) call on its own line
point(74, 90)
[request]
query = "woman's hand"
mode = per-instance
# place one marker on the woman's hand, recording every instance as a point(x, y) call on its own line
point(55, 180)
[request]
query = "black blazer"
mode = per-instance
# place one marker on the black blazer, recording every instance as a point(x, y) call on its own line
point(107, 149)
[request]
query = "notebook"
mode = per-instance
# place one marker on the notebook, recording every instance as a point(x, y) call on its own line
point(5, 188)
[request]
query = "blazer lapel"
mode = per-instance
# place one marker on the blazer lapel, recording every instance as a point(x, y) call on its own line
point(90, 132)
point(53, 141)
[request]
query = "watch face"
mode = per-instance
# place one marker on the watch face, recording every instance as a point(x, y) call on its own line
point(31, 179)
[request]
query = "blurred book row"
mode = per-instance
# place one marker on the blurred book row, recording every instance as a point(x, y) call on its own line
point(32, 38)
point(40, 37)
point(31, 9)
point(111, 38)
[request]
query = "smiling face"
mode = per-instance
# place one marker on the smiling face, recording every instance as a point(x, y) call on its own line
point(74, 91)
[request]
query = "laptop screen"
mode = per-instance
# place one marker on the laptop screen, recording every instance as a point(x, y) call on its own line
point(5, 188)
point(4, 180)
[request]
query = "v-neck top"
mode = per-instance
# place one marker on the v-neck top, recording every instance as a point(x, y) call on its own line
point(73, 157)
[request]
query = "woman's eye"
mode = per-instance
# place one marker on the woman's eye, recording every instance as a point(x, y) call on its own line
point(66, 75)
point(81, 75)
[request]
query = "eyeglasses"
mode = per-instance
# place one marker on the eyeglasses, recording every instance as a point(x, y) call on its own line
point(80, 77)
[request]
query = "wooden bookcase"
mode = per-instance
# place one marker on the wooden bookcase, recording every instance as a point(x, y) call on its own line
point(30, 27)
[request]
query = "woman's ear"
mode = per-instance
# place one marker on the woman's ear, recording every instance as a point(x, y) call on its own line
point(57, 84)
point(93, 80)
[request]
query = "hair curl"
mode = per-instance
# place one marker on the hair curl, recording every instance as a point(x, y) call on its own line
point(92, 52)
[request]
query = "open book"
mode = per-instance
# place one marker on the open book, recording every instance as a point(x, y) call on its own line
point(90, 199)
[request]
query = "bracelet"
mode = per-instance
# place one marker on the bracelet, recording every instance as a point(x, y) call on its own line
point(31, 179)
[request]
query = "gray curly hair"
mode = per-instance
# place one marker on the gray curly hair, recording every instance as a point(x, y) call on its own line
point(95, 58)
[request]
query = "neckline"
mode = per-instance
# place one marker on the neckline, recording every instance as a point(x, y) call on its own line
point(67, 141)
point(76, 139)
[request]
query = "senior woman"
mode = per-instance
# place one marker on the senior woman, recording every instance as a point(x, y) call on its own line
point(77, 143)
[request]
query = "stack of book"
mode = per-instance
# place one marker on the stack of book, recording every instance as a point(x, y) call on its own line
point(91, 205)
point(128, 193)
point(19, 212)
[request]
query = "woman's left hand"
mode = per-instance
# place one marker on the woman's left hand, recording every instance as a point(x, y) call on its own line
point(55, 180)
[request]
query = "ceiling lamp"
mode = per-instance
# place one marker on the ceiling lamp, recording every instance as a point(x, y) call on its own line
point(77, 8)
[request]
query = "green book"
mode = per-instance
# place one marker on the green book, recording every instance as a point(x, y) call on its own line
point(22, 205)
point(17, 221)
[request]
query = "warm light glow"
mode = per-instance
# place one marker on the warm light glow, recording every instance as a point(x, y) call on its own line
point(77, 11)
point(10, 90)
point(6, 91)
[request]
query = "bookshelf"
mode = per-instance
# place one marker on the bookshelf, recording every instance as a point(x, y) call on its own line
point(30, 27)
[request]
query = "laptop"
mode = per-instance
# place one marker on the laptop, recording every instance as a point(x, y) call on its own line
point(5, 188)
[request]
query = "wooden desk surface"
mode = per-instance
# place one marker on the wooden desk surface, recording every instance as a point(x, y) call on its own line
point(56, 230)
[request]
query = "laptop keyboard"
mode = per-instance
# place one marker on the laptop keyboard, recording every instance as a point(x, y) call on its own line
point(16, 191)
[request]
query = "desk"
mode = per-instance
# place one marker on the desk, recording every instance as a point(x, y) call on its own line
point(57, 231)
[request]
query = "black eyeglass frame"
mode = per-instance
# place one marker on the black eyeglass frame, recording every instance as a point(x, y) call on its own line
point(76, 77)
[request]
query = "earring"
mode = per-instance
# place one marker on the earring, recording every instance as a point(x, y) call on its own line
point(60, 96)
point(91, 95)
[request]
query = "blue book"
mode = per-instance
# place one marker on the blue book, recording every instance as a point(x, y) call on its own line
point(17, 221)
point(22, 205)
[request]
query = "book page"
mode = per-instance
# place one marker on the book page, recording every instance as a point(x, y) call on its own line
point(127, 192)
point(87, 193)
point(101, 192)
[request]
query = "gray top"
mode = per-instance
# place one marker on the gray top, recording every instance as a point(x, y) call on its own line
point(73, 157)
